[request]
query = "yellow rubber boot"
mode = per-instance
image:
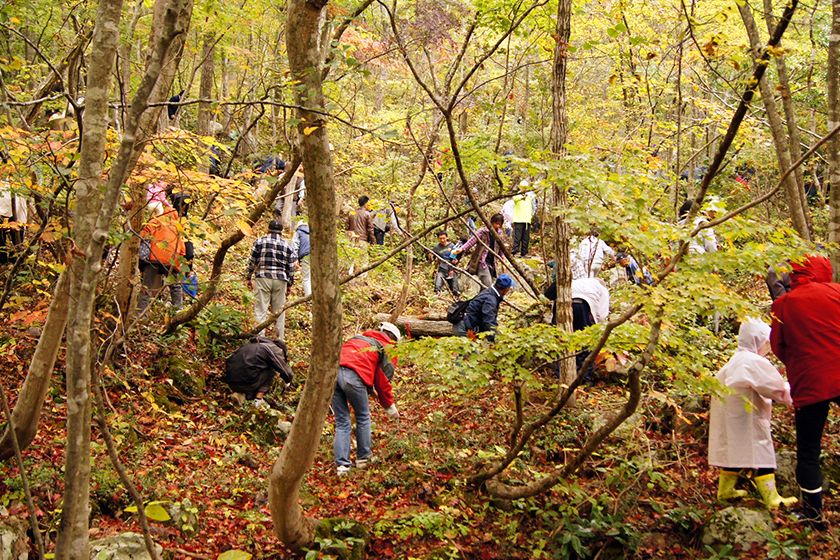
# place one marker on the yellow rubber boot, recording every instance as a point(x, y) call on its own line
point(766, 486)
point(726, 486)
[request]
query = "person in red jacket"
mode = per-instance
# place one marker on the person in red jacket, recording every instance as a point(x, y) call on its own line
point(806, 338)
point(364, 368)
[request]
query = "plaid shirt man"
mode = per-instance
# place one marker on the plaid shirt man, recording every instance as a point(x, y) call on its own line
point(272, 257)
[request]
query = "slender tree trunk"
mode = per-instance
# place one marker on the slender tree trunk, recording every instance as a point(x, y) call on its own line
point(559, 136)
point(73, 533)
point(796, 205)
point(30, 401)
point(302, 44)
point(787, 105)
point(127, 272)
point(834, 147)
point(205, 87)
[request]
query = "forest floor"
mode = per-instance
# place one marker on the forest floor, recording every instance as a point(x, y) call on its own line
point(647, 493)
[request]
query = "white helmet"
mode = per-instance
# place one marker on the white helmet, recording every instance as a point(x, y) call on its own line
point(391, 329)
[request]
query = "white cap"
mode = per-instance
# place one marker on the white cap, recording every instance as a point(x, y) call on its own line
point(391, 329)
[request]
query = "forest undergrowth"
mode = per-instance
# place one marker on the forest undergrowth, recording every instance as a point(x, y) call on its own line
point(204, 459)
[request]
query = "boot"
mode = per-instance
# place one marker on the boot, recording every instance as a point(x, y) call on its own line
point(811, 510)
point(766, 486)
point(726, 486)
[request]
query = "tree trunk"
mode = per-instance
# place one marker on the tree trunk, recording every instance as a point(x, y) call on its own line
point(559, 135)
point(205, 87)
point(834, 147)
point(790, 113)
point(796, 205)
point(30, 401)
point(302, 34)
point(73, 532)
point(127, 272)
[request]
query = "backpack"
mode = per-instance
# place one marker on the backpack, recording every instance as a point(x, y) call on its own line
point(456, 312)
point(166, 243)
point(384, 363)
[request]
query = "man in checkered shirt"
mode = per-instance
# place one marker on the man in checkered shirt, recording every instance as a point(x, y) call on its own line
point(273, 261)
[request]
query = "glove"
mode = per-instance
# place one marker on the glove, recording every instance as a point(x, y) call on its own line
point(392, 412)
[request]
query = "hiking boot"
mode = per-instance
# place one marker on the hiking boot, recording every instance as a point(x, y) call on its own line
point(342, 470)
point(811, 511)
point(239, 398)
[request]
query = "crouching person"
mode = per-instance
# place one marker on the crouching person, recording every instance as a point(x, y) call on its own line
point(251, 370)
point(363, 368)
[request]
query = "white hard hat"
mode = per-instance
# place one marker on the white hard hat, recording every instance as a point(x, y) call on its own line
point(391, 329)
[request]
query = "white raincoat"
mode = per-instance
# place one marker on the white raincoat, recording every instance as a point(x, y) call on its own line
point(739, 422)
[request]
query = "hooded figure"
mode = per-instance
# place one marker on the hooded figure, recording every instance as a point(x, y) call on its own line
point(739, 423)
point(739, 420)
point(806, 337)
point(806, 332)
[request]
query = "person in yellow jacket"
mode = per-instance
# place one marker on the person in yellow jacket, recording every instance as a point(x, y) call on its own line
point(739, 420)
point(524, 207)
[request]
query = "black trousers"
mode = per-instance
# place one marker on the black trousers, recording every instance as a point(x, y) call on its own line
point(582, 318)
point(810, 422)
point(521, 238)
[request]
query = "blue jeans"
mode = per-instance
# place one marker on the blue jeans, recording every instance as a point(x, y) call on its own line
point(350, 391)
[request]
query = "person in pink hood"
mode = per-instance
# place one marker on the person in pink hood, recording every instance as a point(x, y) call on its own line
point(806, 338)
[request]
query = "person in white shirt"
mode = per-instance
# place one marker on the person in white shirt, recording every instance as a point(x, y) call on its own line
point(507, 213)
point(590, 306)
point(592, 252)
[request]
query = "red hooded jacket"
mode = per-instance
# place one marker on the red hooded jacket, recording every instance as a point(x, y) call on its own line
point(360, 357)
point(806, 332)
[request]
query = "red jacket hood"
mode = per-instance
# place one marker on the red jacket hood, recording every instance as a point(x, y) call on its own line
point(812, 269)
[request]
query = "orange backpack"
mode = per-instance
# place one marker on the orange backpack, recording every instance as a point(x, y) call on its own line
point(166, 239)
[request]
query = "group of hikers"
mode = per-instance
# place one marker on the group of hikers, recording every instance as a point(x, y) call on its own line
point(805, 332)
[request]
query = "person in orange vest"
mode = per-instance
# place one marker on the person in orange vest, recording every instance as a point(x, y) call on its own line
point(163, 252)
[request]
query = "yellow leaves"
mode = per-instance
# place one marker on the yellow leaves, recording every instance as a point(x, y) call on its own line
point(245, 227)
point(309, 130)
point(234, 555)
point(153, 510)
point(776, 52)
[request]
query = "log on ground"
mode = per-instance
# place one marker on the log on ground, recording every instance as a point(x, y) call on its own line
point(417, 326)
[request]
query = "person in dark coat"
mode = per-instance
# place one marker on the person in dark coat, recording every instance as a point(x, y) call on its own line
point(805, 336)
point(778, 283)
point(480, 315)
point(252, 368)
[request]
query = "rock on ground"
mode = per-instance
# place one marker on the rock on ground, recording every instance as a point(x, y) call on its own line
point(125, 546)
point(739, 527)
point(14, 545)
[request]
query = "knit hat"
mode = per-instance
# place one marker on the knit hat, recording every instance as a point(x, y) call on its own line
point(504, 282)
point(275, 226)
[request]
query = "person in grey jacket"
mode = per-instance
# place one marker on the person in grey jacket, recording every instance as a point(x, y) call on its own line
point(301, 247)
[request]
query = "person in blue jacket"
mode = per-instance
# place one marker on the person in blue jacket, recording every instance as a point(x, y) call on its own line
point(480, 315)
